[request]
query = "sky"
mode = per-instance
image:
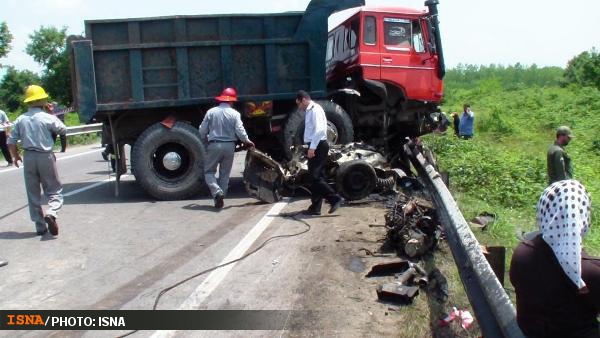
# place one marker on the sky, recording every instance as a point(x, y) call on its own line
point(480, 32)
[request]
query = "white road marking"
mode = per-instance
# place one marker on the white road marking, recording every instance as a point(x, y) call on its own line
point(91, 186)
point(213, 280)
point(58, 159)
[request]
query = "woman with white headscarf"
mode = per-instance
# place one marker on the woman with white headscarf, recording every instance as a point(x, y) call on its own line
point(556, 284)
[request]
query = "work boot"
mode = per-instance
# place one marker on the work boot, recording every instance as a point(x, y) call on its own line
point(52, 225)
point(219, 200)
point(336, 204)
point(3, 262)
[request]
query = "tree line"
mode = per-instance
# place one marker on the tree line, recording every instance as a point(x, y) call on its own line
point(48, 47)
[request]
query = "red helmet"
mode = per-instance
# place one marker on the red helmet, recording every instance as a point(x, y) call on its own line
point(228, 95)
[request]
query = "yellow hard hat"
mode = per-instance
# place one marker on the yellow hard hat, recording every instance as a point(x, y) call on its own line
point(34, 93)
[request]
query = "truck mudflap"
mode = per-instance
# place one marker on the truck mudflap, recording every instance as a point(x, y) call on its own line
point(263, 176)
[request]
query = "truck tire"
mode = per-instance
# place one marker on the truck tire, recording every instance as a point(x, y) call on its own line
point(168, 163)
point(355, 179)
point(339, 126)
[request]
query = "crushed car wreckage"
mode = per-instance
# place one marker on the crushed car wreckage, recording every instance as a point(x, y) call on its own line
point(356, 169)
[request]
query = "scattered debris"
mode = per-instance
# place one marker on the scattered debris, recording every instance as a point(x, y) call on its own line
point(483, 220)
point(409, 277)
point(412, 226)
point(397, 293)
point(465, 317)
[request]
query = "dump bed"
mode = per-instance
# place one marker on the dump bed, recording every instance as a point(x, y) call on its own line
point(185, 60)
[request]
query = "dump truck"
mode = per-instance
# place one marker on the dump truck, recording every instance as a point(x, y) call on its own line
point(151, 80)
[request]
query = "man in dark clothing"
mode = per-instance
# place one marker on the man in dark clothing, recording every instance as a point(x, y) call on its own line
point(455, 123)
point(557, 286)
point(4, 128)
point(559, 163)
point(315, 136)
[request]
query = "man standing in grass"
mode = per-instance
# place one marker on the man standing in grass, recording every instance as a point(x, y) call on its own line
point(559, 163)
point(467, 120)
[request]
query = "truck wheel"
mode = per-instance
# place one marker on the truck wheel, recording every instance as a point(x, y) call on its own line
point(339, 126)
point(168, 163)
point(355, 179)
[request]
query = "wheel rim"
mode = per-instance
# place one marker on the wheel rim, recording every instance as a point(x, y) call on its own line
point(171, 161)
point(332, 133)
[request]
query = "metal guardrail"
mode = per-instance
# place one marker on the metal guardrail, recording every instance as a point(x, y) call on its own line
point(84, 129)
point(495, 313)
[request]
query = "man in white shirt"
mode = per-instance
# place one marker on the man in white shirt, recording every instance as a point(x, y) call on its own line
point(315, 136)
point(221, 128)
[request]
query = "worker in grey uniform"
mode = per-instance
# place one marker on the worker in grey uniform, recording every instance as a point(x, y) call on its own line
point(221, 128)
point(34, 129)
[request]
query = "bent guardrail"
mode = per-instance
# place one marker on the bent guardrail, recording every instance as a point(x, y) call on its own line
point(495, 312)
point(84, 129)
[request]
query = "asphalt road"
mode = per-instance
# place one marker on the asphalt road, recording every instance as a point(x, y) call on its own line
point(119, 252)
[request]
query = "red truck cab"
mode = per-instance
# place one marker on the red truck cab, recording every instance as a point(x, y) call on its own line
point(392, 58)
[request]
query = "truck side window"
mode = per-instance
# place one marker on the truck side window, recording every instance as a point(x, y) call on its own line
point(329, 54)
point(417, 37)
point(370, 30)
point(397, 32)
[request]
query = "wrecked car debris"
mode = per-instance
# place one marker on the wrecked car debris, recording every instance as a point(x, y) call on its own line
point(409, 277)
point(412, 226)
point(356, 169)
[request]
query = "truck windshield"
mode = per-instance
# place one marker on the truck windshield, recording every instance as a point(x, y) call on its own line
point(397, 32)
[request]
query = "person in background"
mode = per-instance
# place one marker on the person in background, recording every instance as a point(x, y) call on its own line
point(467, 119)
point(55, 110)
point(558, 162)
point(34, 129)
point(315, 136)
point(557, 285)
point(455, 123)
point(222, 126)
point(4, 130)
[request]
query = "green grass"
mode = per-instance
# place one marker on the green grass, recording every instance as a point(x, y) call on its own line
point(503, 168)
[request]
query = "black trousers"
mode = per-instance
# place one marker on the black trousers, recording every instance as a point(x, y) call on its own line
point(4, 147)
point(319, 187)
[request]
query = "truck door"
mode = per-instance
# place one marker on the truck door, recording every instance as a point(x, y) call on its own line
point(370, 59)
point(404, 60)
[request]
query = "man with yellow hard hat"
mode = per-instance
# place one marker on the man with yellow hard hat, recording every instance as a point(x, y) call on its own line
point(34, 129)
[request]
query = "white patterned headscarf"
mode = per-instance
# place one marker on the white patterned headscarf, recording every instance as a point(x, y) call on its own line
point(564, 215)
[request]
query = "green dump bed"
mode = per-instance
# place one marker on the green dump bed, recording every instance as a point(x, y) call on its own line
point(176, 61)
